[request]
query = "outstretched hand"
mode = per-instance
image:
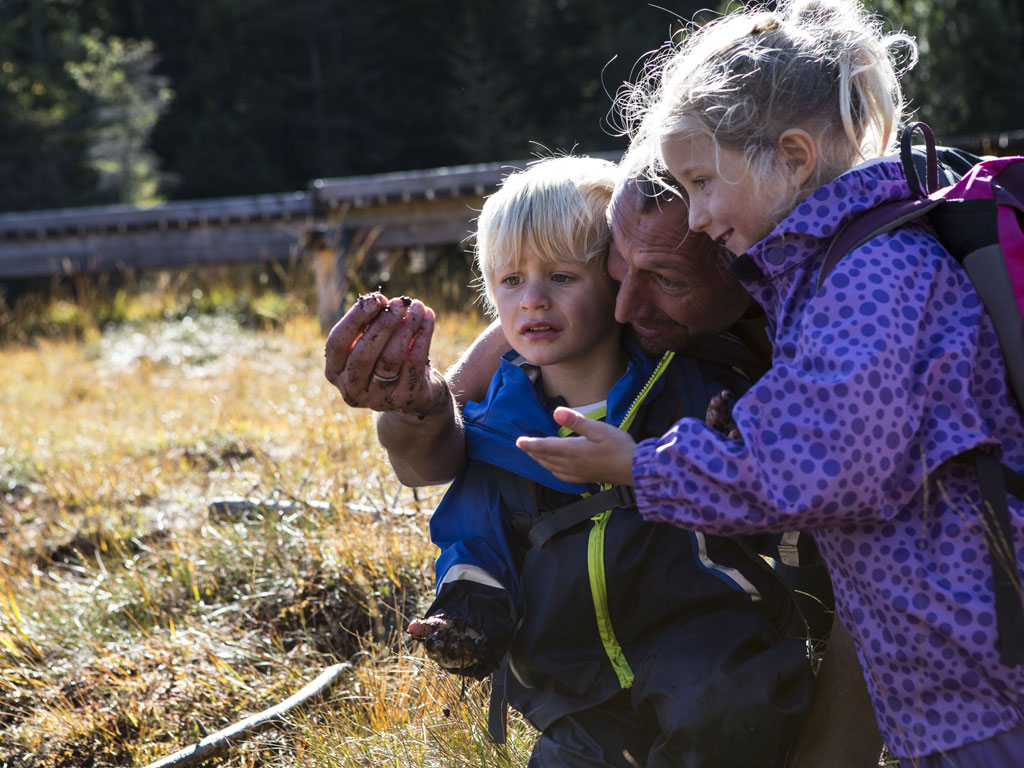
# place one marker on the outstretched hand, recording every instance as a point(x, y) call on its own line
point(377, 356)
point(601, 454)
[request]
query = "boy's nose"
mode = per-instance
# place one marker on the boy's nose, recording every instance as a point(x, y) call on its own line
point(534, 297)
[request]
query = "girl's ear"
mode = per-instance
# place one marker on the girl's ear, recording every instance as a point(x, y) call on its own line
point(798, 154)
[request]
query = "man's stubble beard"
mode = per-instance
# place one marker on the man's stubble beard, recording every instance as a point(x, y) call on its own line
point(677, 338)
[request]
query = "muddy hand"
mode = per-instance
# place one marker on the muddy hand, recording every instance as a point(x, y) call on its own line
point(377, 356)
point(718, 416)
point(450, 642)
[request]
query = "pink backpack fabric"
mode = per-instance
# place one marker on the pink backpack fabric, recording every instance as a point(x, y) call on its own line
point(1001, 180)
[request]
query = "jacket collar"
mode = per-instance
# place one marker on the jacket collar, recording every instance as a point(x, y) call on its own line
point(515, 406)
point(806, 231)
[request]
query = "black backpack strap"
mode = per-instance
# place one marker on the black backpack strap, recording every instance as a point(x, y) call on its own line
point(564, 518)
point(912, 164)
point(939, 166)
point(497, 709)
point(790, 621)
point(996, 481)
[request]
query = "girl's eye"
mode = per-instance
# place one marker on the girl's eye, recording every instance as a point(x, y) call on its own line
point(511, 280)
point(700, 184)
point(562, 278)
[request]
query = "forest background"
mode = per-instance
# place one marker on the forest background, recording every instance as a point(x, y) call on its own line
point(132, 101)
point(192, 524)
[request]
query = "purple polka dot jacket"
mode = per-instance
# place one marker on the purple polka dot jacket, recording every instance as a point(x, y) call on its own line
point(878, 380)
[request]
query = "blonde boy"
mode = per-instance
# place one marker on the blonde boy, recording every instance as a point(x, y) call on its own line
point(613, 637)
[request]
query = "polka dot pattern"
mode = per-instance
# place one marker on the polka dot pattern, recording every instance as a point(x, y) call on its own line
point(879, 379)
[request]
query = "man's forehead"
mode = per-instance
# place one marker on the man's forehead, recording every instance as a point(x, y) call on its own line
point(661, 235)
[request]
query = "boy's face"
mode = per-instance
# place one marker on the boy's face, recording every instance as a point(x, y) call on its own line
point(555, 313)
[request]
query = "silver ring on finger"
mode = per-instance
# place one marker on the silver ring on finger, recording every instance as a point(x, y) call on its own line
point(386, 381)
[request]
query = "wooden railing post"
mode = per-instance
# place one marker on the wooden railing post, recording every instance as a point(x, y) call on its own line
point(328, 249)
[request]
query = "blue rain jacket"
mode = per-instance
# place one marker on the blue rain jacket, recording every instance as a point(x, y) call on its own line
point(618, 603)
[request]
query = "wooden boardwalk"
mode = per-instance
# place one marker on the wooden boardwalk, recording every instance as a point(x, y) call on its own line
point(409, 209)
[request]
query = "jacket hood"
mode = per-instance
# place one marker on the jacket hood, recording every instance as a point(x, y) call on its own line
point(807, 230)
point(514, 406)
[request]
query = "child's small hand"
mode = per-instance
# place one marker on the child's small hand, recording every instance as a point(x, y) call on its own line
point(601, 454)
point(718, 416)
point(450, 643)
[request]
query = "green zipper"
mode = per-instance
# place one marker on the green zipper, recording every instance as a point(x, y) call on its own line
point(595, 545)
point(599, 591)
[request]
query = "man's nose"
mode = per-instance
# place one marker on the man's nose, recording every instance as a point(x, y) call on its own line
point(627, 301)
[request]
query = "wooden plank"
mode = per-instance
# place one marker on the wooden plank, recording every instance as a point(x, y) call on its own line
point(147, 250)
point(1000, 143)
point(447, 182)
point(172, 248)
point(32, 224)
point(385, 187)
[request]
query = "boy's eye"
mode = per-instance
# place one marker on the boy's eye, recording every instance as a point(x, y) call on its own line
point(700, 184)
point(511, 279)
point(560, 277)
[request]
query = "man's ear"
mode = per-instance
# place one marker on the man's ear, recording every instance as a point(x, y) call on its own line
point(798, 155)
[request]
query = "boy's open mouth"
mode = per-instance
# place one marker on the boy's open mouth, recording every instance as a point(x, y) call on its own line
point(538, 328)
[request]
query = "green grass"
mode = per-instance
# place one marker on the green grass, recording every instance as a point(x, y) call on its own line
point(135, 618)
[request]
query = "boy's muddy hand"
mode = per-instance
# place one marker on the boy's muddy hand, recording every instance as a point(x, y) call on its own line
point(718, 416)
point(377, 356)
point(449, 642)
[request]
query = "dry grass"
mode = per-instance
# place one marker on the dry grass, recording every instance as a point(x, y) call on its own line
point(135, 618)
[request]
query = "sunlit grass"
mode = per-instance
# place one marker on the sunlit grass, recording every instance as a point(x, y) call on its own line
point(135, 617)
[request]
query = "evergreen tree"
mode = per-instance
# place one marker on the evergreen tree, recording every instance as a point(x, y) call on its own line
point(128, 99)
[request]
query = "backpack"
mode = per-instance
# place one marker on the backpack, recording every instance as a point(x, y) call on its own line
point(978, 217)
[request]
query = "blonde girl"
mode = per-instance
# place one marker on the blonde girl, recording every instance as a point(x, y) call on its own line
point(777, 124)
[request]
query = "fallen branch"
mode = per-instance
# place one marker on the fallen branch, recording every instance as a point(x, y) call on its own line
point(217, 743)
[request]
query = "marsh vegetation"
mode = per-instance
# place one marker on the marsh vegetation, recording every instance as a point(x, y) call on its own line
point(137, 614)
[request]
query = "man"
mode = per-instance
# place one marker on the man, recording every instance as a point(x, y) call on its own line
point(675, 292)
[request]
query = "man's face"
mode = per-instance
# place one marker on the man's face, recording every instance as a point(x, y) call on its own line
point(673, 288)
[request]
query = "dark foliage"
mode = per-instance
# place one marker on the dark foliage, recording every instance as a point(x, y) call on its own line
point(269, 94)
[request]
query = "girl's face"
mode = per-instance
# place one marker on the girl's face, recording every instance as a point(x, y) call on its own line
point(557, 313)
point(725, 201)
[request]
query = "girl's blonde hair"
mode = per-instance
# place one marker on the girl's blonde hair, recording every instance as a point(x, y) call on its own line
point(556, 208)
point(744, 78)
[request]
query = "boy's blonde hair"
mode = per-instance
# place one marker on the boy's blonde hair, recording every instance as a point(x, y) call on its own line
point(556, 208)
point(744, 78)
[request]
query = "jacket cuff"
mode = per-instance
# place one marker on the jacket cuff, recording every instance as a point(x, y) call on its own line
point(485, 609)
